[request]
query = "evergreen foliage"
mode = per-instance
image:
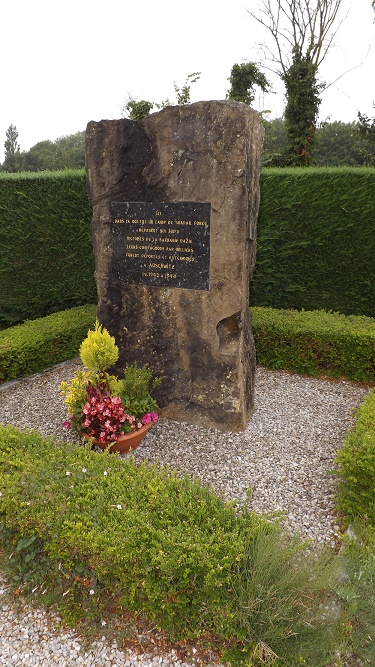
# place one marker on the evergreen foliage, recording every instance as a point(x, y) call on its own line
point(356, 504)
point(98, 351)
point(164, 546)
point(96, 533)
point(316, 242)
point(35, 345)
point(46, 257)
point(12, 150)
point(315, 343)
point(356, 459)
point(100, 533)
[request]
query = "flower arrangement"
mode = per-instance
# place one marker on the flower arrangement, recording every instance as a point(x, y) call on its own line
point(102, 406)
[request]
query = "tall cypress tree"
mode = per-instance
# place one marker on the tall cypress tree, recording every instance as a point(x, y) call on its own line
point(12, 150)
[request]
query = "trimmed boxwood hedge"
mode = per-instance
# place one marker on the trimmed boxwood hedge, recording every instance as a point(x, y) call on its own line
point(315, 343)
point(309, 343)
point(160, 545)
point(356, 497)
point(38, 344)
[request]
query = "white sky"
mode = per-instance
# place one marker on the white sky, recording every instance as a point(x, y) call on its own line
point(67, 62)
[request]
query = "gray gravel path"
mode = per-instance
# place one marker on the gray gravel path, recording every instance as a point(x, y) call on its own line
point(284, 456)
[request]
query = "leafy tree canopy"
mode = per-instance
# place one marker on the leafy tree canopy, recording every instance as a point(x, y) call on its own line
point(366, 127)
point(336, 144)
point(67, 152)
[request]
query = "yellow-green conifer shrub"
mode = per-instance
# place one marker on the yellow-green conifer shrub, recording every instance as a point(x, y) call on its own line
point(99, 350)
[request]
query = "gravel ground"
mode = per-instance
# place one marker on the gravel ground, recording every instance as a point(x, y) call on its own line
point(284, 456)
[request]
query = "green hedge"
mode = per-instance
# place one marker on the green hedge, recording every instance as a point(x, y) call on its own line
point(315, 248)
point(309, 343)
point(356, 497)
point(46, 257)
point(316, 240)
point(138, 534)
point(315, 343)
point(36, 345)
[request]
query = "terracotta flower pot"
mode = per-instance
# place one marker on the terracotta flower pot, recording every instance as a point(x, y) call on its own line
point(125, 443)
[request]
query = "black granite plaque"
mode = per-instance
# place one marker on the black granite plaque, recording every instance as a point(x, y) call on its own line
point(165, 244)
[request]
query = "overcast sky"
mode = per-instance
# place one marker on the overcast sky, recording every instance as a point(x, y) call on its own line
point(66, 63)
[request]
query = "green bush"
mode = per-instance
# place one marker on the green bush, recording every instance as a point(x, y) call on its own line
point(93, 533)
point(355, 503)
point(310, 343)
point(36, 345)
point(315, 343)
point(316, 241)
point(356, 591)
point(356, 497)
point(165, 545)
point(46, 257)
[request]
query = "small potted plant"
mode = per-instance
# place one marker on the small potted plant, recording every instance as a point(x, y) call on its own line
point(112, 412)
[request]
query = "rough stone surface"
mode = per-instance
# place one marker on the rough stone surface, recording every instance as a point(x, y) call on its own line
point(200, 341)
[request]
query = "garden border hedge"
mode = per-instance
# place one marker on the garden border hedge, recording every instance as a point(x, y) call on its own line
point(35, 345)
point(314, 343)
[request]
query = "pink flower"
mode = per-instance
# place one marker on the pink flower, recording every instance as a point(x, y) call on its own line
point(150, 417)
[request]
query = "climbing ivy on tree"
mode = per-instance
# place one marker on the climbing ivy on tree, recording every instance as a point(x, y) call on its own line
point(302, 32)
point(301, 111)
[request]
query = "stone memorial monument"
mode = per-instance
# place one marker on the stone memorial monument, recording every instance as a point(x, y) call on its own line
point(175, 201)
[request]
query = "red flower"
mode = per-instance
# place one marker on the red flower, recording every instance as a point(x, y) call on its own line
point(105, 417)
